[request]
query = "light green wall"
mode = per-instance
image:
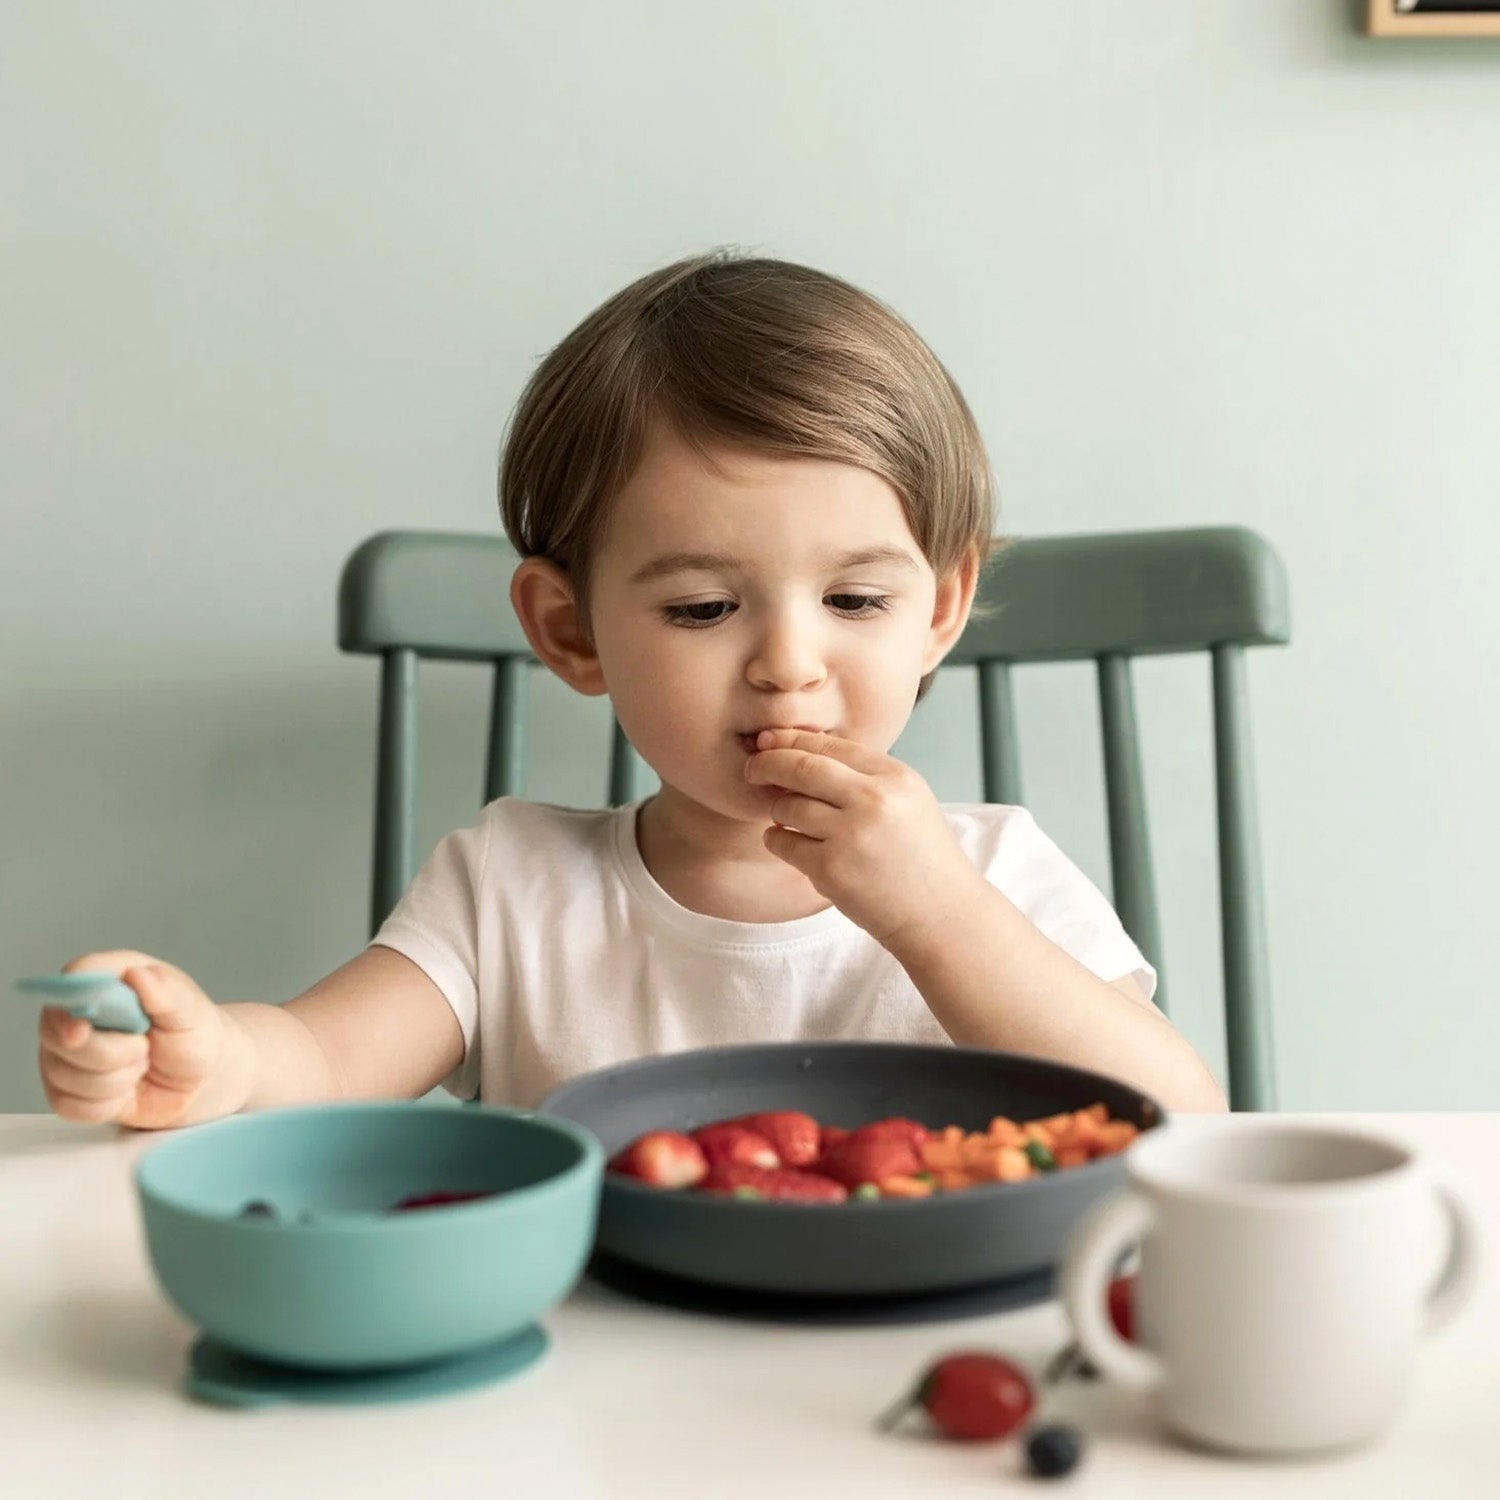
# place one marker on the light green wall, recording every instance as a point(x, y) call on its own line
point(273, 275)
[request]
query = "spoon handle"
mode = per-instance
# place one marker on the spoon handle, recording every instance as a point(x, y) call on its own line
point(109, 1003)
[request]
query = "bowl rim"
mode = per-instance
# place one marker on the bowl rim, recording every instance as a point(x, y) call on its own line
point(1028, 1061)
point(590, 1162)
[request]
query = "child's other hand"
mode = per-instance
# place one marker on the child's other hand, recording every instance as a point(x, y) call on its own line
point(866, 830)
point(146, 1082)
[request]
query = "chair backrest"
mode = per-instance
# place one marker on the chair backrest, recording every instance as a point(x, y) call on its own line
point(406, 595)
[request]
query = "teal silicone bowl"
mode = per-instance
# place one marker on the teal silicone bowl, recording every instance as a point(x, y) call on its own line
point(335, 1281)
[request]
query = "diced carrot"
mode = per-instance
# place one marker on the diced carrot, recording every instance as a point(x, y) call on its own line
point(978, 1149)
point(1071, 1156)
point(1003, 1132)
point(1035, 1130)
point(1114, 1136)
point(953, 1134)
point(953, 1180)
point(941, 1155)
point(905, 1187)
point(1098, 1112)
point(1012, 1164)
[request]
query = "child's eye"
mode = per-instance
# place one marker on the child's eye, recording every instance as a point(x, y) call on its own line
point(708, 612)
point(858, 604)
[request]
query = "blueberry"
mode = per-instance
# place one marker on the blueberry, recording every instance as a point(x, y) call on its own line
point(1053, 1451)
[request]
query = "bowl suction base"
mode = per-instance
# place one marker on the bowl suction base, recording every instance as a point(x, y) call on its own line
point(219, 1374)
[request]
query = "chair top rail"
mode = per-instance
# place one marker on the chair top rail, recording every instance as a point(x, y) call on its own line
point(1138, 593)
point(444, 595)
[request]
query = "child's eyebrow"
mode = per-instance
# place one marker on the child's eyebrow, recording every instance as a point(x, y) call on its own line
point(718, 562)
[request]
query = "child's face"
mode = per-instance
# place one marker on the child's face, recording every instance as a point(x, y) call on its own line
point(752, 593)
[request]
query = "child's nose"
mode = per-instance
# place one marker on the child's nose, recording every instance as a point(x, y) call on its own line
point(787, 659)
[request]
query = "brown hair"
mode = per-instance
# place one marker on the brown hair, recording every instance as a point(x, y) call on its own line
point(752, 353)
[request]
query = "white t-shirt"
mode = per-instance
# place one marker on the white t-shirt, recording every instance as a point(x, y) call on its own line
point(560, 954)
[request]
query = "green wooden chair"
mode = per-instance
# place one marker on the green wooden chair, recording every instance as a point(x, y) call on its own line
point(405, 595)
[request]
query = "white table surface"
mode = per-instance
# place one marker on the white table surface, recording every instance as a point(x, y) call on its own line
point(631, 1400)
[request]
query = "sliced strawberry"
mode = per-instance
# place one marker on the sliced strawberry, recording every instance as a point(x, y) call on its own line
point(782, 1184)
point(435, 1200)
point(729, 1142)
point(862, 1158)
point(795, 1137)
point(831, 1136)
point(662, 1158)
point(896, 1128)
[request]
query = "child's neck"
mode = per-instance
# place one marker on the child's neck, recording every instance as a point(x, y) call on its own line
point(742, 883)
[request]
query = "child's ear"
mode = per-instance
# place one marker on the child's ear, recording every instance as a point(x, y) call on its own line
point(950, 609)
point(542, 595)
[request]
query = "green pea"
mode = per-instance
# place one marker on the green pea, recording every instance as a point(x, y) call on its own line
point(1040, 1157)
point(866, 1190)
point(747, 1193)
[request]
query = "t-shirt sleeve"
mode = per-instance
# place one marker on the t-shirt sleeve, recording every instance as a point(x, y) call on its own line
point(435, 925)
point(1060, 899)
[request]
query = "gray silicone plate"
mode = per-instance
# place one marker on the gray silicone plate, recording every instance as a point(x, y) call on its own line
point(889, 1248)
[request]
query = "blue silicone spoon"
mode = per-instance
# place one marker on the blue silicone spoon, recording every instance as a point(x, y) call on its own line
point(108, 1002)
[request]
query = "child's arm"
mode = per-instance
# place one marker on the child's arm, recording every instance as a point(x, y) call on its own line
point(869, 834)
point(376, 1028)
point(993, 979)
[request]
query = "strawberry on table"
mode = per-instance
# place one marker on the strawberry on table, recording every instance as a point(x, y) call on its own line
point(727, 1141)
point(795, 1137)
point(783, 1184)
point(662, 1158)
point(971, 1394)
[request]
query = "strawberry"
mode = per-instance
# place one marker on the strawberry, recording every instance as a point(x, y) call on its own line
point(831, 1136)
point(896, 1128)
point(1122, 1306)
point(435, 1200)
point(726, 1141)
point(662, 1158)
point(971, 1395)
point(783, 1184)
point(793, 1136)
point(864, 1158)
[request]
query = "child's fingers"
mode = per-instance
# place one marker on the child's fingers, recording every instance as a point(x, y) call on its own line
point(851, 753)
point(804, 771)
point(67, 1080)
point(169, 997)
point(87, 1111)
point(806, 815)
point(108, 961)
point(75, 1041)
point(61, 1030)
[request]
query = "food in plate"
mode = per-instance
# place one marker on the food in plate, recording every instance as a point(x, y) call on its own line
point(786, 1155)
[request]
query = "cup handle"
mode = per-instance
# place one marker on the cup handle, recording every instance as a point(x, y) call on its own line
point(1091, 1254)
point(1461, 1273)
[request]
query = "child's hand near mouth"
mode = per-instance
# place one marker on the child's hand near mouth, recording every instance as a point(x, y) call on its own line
point(867, 831)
